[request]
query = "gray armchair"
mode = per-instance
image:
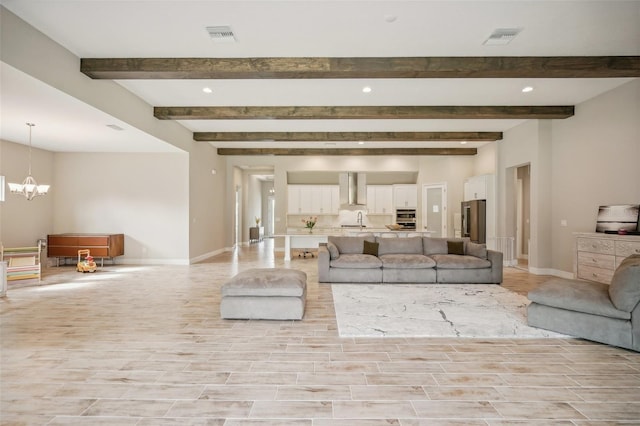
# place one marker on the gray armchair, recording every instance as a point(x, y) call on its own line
point(594, 311)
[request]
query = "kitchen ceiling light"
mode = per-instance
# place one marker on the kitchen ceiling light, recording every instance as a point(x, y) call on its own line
point(527, 89)
point(29, 188)
point(207, 90)
point(366, 89)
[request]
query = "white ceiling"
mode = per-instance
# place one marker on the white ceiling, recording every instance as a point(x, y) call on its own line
point(126, 28)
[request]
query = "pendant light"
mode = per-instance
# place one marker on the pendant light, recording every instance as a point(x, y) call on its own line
point(29, 188)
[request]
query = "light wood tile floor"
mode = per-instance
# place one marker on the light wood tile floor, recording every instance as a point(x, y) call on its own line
point(144, 345)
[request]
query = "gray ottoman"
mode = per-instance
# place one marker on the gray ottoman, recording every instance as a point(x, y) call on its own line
point(265, 293)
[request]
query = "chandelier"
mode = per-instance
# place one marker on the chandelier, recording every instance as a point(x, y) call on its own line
point(29, 188)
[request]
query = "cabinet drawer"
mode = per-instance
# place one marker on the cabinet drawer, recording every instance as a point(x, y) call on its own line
point(627, 248)
point(62, 251)
point(596, 246)
point(93, 241)
point(57, 240)
point(595, 274)
point(99, 251)
point(605, 261)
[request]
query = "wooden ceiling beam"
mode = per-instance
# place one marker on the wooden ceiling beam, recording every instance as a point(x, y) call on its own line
point(388, 67)
point(361, 112)
point(345, 136)
point(347, 151)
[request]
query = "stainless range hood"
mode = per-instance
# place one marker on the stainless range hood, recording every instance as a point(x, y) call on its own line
point(353, 189)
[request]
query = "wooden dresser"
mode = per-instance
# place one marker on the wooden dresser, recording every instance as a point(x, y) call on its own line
point(597, 255)
point(100, 245)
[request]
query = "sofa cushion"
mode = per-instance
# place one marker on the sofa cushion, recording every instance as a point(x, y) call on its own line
point(355, 261)
point(409, 245)
point(475, 249)
point(333, 250)
point(579, 296)
point(349, 245)
point(407, 261)
point(455, 261)
point(370, 248)
point(434, 245)
point(625, 285)
point(455, 247)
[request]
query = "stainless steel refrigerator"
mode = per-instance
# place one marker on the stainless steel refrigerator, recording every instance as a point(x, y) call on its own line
point(474, 220)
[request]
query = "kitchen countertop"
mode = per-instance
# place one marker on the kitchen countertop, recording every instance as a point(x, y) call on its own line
point(348, 231)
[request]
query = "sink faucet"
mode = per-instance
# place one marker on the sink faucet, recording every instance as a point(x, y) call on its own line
point(360, 219)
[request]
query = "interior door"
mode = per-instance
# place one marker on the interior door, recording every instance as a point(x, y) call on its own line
point(434, 209)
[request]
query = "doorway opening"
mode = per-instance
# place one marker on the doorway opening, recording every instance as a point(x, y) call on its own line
point(434, 209)
point(523, 215)
point(271, 210)
point(236, 220)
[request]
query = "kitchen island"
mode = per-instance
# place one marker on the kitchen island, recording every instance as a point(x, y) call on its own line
point(300, 238)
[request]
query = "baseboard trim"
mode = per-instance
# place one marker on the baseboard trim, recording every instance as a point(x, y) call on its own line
point(552, 272)
point(209, 255)
point(147, 261)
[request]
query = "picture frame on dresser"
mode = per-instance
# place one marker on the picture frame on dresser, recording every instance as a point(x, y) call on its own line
point(618, 218)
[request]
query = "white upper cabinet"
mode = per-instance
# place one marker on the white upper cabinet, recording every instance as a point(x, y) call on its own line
point(478, 187)
point(313, 199)
point(405, 196)
point(380, 199)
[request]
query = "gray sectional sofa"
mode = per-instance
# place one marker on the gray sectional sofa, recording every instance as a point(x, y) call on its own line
point(367, 259)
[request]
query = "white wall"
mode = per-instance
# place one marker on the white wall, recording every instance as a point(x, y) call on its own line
point(207, 209)
point(144, 196)
point(577, 164)
point(252, 202)
point(596, 161)
point(23, 222)
point(485, 161)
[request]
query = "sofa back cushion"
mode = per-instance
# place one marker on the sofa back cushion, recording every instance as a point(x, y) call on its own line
point(433, 245)
point(624, 290)
point(475, 249)
point(408, 245)
point(349, 245)
point(334, 253)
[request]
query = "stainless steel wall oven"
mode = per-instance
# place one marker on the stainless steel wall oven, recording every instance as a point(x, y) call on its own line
point(406, 218)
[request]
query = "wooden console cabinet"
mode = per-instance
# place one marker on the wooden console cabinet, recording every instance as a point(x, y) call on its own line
point(100, 245)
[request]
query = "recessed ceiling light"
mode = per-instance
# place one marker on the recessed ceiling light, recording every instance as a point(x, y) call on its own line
point(366, 89)
point(390, 18)
point(207, 90)
point(527, 89)
point(361, 143)
point(463, 143)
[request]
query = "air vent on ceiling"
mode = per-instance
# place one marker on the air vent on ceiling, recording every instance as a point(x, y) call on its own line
point(221, 34)
point(502, 36)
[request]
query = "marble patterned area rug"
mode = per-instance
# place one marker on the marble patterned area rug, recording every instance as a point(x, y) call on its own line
point(432, 310)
